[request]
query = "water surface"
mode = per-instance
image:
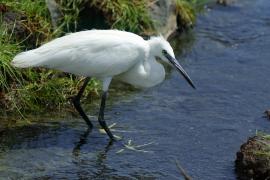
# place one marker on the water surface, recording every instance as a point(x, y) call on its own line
point(227, 56)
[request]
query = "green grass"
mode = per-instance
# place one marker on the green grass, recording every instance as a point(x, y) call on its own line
point(31, 21)
point(126, 15)
point(49, 92)
point(186, 11)
point(8, 74)
point(70, 10)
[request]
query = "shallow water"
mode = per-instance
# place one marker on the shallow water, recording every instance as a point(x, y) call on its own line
point(226, 56)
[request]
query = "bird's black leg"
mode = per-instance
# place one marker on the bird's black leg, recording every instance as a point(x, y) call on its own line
point(101, 120)
point(77, 103)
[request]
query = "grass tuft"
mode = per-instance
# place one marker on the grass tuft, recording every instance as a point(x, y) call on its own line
point(186, 12)
point(126, 15)
point(8, 74)
point(71, 10)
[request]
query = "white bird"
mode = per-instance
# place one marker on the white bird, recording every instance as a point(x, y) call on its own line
point(104, 54)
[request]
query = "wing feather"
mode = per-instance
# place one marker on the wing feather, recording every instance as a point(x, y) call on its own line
point(89, 53)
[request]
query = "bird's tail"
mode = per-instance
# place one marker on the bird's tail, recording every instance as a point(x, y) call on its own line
point(25, 59)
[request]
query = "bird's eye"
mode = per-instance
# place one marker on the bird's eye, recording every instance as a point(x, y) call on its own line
point(164, 52)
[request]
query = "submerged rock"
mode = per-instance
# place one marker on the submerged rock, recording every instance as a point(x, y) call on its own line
point(267, 113)
point(253, 159)
point(225, 2)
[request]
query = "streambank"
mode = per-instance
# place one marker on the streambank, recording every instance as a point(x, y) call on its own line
point(29, 24)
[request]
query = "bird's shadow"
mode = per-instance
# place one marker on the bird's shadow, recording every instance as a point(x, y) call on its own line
point(84, 139)
point(98, 164)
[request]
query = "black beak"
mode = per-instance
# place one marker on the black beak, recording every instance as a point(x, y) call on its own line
point(179, 68)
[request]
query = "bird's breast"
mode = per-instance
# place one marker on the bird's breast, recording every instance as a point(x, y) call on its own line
point(144, 74)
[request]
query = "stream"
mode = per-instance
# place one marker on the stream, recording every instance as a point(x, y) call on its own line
point(227, 57)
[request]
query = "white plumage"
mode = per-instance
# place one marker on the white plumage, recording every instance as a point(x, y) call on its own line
point(101, 54)
point(104, 54)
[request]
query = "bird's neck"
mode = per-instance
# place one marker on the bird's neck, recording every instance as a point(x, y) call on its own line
point(155, 46)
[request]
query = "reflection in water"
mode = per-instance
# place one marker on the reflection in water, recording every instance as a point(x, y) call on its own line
point(82, 141)
point(100, 163)
point(102, 167)
point(183, 43)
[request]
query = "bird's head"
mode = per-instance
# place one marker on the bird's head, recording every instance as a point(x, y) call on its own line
point(161, 48)
point(158, 45)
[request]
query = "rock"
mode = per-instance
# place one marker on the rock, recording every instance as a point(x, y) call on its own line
point(253, 159)
point(55, 12)
point(3, 8)
point(225, 2)
point(21, 27)
point(164, 14)
point(267, 113)
point(12, 20)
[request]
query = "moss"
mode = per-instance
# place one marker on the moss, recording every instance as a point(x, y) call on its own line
point(253, 159)
point(265, 143)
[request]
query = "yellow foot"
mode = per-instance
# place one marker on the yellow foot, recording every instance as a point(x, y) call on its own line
point(133, 147)
point(102, 131)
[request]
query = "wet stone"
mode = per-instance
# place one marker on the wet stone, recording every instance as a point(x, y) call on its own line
point(267, 113)
point(225, 2)
point(13, 22)
point(253, 159)
point(21, 26)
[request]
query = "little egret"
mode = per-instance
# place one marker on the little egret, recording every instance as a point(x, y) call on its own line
point(104, 54)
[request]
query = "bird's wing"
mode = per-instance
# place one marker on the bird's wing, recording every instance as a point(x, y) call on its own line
point(98, 55)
